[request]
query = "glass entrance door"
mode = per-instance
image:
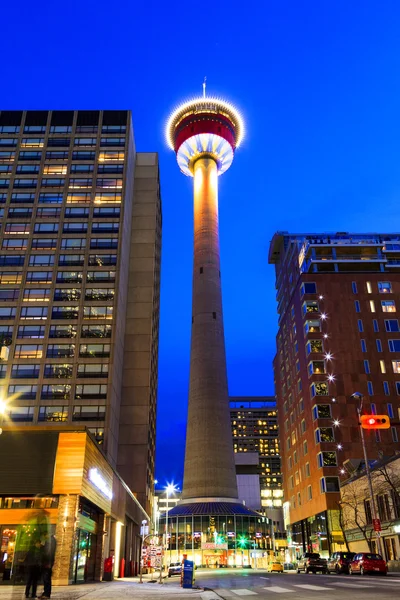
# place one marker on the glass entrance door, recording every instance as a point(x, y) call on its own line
point(84, 555)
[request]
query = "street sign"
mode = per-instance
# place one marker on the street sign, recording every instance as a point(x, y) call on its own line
point(213, 546)
point(377, 524)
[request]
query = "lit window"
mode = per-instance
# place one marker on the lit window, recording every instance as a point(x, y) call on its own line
point(111, 156)
point(382, 366)
point(369, 288)
point(384, 287)
point(28, 351)
point(372, 305)
point(55, 169)
point(396, 367)
point(388, 306)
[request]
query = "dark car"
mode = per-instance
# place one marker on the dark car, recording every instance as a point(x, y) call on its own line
point(339, 562)
point(366, 562)
point(311, 562)
point(174, 569)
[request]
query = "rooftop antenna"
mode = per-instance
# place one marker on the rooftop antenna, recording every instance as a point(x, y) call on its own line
point(204, 87)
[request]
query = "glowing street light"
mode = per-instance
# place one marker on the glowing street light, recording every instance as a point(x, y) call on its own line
point(170, 488)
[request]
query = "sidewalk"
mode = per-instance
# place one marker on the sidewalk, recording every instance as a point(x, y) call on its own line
point(128, 587)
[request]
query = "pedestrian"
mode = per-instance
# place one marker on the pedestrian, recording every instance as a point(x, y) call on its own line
point(49, 552)
point(33, 562)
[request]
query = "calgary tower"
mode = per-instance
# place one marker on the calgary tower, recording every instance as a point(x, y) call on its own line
point(204, 133)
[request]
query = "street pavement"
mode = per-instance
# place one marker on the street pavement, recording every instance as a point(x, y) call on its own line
point(234, 584)
point(231, 584)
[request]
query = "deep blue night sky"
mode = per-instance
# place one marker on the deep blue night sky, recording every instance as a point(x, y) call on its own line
point(319, 86)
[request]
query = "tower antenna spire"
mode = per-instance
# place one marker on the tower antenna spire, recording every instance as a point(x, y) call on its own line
point(204, 87)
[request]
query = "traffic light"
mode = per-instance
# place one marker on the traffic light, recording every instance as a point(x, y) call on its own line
point(375, 422)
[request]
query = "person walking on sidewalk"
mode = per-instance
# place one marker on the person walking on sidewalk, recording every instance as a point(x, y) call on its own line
point(49, 552)
point(33, 564)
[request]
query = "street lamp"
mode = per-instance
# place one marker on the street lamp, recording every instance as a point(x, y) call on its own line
point(143, 532)
point(3, 408)
point(359, 396)
point(171, 488)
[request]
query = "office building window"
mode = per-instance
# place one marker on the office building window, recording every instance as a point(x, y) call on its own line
point(372, 305)
point(7, 312)
point(392, 325)
point(384, 287)
point(93, 370)
point(22, 371)
point(394, 345)
point(58, 371)
point(50, 198)
point(65, 312)
point(23, 392)
point(41, 260)
point(308, 288)
point(379, 345)
point(91, 391)
point(357, 306)
point(89, 413)
point(324, 434)
point(373, 408)
point(36, 313)
point(94, 350)
point(330, 484)
point(60, 351)
point(69, 277)
point(388, 306)
point(390, 411)
point(363, 346)
point(98, 312)
point(39, 276)
point(36, 295)
point(19, 414)
point(386, 388)
point(28, 351)
point(62, 331)
point(396, 366)
point(366, 367)
point(321, 411)
point(10, 277)
point(376, 325)
point(382, 366)
point(46, 228)
point(327, 459)
point(54, 414)
point(55, 392)
point(31, 331)
point(360, 325)
point(71, 260)
point(370, 388)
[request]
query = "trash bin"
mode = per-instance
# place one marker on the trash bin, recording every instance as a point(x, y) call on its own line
point(188, 574)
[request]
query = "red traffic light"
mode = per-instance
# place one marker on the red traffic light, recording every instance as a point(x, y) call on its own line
point(375, 422)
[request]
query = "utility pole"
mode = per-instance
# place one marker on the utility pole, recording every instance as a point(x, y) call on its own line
point(367, 469)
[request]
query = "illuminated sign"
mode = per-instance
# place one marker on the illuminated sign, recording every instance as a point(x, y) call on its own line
point(100, 483)
point(211, 546)
point(396, 528)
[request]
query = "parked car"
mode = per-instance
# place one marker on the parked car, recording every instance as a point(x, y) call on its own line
point(339, 562)
point(311, 562)
point(276, 567)
point(366, 562)
point(174, 569)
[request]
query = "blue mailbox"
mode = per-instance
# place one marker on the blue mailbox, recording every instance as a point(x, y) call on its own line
point(188, 574)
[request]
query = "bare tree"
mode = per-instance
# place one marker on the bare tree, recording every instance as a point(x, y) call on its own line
point(353, 512)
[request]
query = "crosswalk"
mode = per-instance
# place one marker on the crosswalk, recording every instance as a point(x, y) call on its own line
point(288, 587)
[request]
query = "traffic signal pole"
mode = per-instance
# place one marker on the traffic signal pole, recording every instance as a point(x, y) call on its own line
point(368, 472)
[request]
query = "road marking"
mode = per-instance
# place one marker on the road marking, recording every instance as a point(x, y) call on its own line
point(306, 586)
point(244, 592)
point(209, 596)
point(277, 589)
point(350, 585)
point(267, 578)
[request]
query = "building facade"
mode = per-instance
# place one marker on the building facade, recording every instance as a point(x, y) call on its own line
point(255, 433)
point(338, 334)
point(80, 275)
point(357, 510)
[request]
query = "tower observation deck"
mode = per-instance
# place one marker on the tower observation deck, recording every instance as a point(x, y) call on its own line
point(204, 133)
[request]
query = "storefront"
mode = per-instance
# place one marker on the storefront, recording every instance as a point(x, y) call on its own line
point(60, 484)
point(320, 533)
point(233, 536)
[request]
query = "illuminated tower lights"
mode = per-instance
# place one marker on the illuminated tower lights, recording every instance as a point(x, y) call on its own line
point(204, 133)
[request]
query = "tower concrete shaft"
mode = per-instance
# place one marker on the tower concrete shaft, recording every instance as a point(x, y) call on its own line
point(209, 458)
